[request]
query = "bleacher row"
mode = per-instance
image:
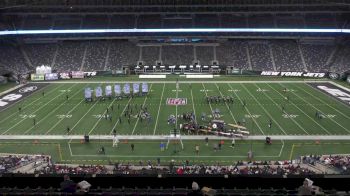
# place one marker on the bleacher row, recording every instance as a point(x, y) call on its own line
point(270, 55)
point(29, 22)
point(13, 166)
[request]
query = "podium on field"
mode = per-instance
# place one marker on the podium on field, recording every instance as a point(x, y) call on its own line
point(174, 136)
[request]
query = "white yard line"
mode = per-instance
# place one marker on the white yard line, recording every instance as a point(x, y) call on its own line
point(93, 127)
point(194, 110)
point(206, 94)
point(28, 104)
point(71, 130)
point(52, 111)
point(279, 155)
point(11, 89)
point(185, 137)
point(76, 105)
point(120, 115)
point(277, 106)
point(176, 118)
point(31, 113)
point(226, 104)
point(322, 112)
point(70, 149)
point(306, 114)
point(247, 110)
point(160, 103)
point(138, 117)
point(63, 118)
point(324, 101)
point(264, 109)
point(83, 116)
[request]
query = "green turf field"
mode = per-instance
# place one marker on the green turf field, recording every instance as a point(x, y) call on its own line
point(53, 114)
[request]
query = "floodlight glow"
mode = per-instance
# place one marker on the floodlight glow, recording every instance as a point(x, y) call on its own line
point(199, 30)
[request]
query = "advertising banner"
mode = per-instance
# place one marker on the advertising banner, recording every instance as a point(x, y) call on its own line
point(293, 74)
point(64, 75)
point(37, 77)
point(51, 76)
point(77, 74)
point(90, 73)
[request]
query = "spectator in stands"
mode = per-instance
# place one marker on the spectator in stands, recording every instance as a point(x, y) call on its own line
point(195, 189)
point(68, 185)
point(305, 189)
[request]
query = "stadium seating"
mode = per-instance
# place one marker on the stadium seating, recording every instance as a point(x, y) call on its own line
point(268, 55)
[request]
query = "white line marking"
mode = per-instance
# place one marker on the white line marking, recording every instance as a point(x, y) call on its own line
point(185, 137)
point(277, 106)
point(93, 127)
point(177, 94)
point(194, 110)
point(71, 130)
point(138, 118)
point(76, 105)
point(245, 88)
point(226, 104)
point(247, 110)
point(161, 98)
point(206, 94)
point(322, 112)
point(305, 113)
point(120, 115)
point(47, 115)
point(324, 101)
point(31, 114)
point(28, 104)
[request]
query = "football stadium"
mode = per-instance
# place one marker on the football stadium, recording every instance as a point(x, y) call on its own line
point(175, 97)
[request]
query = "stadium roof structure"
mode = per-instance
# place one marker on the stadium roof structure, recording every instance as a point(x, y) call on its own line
point(74, 7)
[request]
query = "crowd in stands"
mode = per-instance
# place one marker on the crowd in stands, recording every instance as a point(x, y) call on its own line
point(177, 54)
point(70, 56)
point(341, 162)
point(13, 163)
point(75, 169)
point(286, 56)
point(41, 164)
point(316, 56)
point(267, 55)
point(121, 53)
point(19, 163)
point(260, 56)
